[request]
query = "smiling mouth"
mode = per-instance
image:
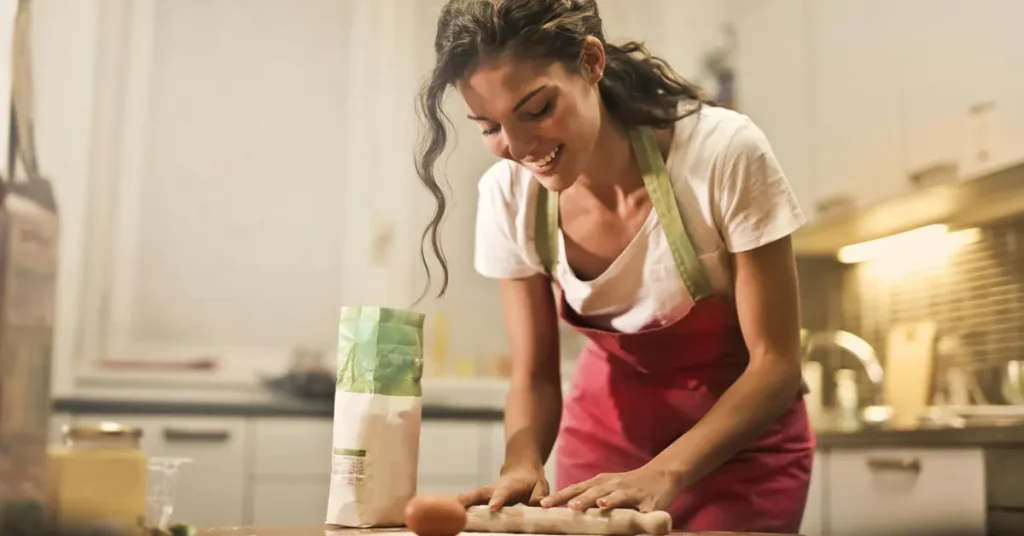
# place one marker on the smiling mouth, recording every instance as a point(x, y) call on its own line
point(548, 162)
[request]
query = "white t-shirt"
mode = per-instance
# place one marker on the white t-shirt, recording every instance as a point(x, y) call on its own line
point(731, 192)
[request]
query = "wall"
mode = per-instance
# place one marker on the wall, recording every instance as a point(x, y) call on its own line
point(244, 167)
point(976, 295)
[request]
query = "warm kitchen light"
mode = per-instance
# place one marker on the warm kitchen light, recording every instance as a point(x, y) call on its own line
point(925, 241)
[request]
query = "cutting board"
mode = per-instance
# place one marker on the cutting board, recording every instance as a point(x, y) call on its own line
point(909, 354)
point(327, 530)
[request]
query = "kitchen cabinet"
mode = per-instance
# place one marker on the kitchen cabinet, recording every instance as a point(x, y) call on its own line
point(290, 503)
point(906, 491)
point(211, 490)
point(855, 102)
point(773, 86)
point(814, 513)
point(451, 456)
point(961, 65)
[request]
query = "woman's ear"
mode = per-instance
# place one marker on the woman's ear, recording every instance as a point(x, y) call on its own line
point(592, 59)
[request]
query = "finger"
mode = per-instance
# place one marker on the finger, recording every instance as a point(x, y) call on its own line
point(617, 499)
point(540, 490)
point(476, 496)
point(567, 493)
point(501, 495)
point(588, 499)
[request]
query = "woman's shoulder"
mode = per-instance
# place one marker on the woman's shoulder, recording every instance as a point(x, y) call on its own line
point(507, 181)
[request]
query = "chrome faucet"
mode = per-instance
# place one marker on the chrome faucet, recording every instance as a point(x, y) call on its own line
point(856, 346)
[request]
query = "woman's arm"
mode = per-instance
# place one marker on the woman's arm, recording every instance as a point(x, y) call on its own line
point(767, 299)
point(534, 402)
point(769, 314)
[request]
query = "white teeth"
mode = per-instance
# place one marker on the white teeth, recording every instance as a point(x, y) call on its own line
point(549, 157)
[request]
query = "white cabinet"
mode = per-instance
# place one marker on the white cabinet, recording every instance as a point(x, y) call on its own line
point(906, 491)
point(964, 82)
point(291, 470)
point(773, 85)
point(291, 502)
point(212, 489)
point(857, 136)
point(451, 456)
point(814, 513)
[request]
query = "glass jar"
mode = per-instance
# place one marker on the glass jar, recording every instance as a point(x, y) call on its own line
point(98, 478)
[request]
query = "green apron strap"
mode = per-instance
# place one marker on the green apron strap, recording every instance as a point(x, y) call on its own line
point(546, 229)
point(659, 188)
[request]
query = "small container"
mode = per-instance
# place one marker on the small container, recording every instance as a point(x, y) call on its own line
point(98, 478)
point(163, 485)
point(847, 398)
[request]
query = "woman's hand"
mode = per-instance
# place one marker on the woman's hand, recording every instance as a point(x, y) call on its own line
point(526, 485)
point(645, 489)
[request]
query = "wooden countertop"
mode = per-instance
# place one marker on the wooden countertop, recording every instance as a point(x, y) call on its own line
point(329, 530)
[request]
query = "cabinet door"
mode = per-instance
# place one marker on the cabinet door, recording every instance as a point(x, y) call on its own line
point(814, 513)
point(291, 447)
point(451, 456)
point(211, 489)
point(290, 503)
point(906, 491)
point(857, 135)
point(773, 85)
point(961, 63)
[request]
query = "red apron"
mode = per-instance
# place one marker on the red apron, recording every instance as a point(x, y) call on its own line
point(633, 394)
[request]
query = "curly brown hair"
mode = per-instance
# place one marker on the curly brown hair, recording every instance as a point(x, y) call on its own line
point(637, 88)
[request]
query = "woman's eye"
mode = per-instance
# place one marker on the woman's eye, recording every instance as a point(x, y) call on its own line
point(542, 112)
point(492, 131)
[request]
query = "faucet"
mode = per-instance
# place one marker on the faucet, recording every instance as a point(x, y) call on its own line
point(853, 344)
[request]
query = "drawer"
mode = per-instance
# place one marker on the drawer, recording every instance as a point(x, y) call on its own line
point(292, 447)
point(452, 449)
point(906, 491)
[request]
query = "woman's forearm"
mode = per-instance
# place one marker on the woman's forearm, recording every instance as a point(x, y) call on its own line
point(745, 411)
point(532, 413)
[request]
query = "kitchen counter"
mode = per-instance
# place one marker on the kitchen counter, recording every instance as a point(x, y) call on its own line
point(258, 407)
point(328, 530)
point(972, 436)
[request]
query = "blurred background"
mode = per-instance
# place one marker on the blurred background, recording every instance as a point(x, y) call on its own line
point(229, 173)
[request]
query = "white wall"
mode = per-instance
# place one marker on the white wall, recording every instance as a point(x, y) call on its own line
point(247, 158)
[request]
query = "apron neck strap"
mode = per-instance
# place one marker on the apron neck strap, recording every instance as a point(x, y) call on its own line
point(659, 188)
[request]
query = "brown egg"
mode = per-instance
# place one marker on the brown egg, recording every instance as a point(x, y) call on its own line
point(435, 515)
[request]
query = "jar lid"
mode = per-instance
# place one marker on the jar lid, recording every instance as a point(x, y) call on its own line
point(102, 430)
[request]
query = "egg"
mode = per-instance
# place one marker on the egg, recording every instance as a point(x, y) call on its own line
point(435, 515)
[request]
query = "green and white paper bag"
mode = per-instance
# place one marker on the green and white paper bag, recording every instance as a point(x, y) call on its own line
point(377, 415)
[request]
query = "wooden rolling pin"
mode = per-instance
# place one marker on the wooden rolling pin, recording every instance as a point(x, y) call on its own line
point(536, 520)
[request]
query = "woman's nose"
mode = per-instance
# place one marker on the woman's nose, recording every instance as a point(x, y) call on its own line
point(519, 146)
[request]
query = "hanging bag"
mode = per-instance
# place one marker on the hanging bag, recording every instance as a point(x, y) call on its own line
point(29, 242)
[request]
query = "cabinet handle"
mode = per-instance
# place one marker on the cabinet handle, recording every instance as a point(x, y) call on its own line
point(912, 465)
point(180, 434)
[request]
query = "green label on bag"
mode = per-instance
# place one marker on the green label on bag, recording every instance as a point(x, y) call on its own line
point(380, 351)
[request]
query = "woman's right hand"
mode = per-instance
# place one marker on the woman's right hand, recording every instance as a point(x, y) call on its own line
point(526, 485)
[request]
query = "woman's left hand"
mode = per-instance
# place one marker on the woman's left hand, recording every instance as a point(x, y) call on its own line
point(645, 489)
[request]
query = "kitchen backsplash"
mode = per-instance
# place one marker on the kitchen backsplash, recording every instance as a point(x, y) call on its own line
point(975, 295)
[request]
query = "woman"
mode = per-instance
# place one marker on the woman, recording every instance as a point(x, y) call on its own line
point(662, 222)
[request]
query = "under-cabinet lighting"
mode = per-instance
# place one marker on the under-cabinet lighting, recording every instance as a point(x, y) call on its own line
point(922, 242)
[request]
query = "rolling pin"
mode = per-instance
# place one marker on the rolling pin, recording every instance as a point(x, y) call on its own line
point(537, 520)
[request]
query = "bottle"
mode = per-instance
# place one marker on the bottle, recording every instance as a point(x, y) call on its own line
point(97, 479)
point(847, 399)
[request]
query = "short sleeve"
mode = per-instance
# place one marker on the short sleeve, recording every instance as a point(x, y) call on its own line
point(501, 248)
point(754, 204)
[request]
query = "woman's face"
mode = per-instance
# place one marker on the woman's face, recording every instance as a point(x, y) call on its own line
point(538, 113)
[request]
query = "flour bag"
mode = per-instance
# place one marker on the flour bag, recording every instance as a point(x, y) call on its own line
point(377, 416)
